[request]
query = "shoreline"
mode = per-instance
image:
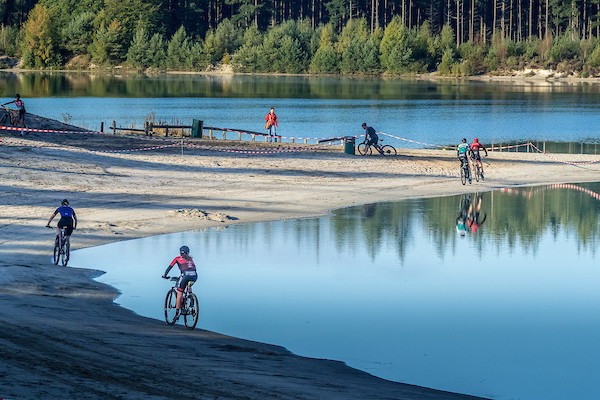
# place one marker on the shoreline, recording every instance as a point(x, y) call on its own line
point(529, 75)
point(63, 330)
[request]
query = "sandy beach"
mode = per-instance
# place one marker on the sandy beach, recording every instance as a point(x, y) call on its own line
point(62, 337)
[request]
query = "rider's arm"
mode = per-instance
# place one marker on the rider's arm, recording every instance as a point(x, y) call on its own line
point(486, 153)
point(10, 102)
point(169, 267)
point(52, 217)
point(74, 220)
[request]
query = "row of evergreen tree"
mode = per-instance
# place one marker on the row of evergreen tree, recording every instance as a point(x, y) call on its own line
point(52, 37)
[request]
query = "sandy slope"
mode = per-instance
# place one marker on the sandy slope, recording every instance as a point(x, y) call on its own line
point(62, 337)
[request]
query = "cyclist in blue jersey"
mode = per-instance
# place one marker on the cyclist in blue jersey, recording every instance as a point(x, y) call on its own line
point(68, 219)
point(463, 151)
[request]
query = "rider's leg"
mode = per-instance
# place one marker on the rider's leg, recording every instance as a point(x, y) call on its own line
point(178, 303)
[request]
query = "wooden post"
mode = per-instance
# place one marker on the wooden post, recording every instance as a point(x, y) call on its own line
point(146, 125)
point(102, 126)
point(305, 141)
point(240, 136)
point(224, 135)
point(114, 127)
point(253, 137)
point(210, 134)
point(167, 131)
point(293, 140)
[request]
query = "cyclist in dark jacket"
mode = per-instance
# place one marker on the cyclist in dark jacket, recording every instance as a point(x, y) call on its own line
point(371, 137)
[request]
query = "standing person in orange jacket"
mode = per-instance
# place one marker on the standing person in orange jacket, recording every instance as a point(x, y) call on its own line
point(271, 124)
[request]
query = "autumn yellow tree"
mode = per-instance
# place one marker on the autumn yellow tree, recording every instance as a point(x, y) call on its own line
point(40, 42)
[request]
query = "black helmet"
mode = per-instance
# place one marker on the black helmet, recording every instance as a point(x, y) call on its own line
point(65, 202)
point(184, 250)
point(464, 140)
point(364, 124)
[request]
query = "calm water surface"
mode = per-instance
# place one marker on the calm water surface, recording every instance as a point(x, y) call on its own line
point(437, 113)
point(502, 302)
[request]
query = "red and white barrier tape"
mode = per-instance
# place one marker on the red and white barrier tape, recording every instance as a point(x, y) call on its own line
point(412, 141)
point(268, 151)
point(27, 130)
point(528, 193)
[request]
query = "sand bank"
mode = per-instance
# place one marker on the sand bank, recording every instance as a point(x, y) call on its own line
point(62, 336)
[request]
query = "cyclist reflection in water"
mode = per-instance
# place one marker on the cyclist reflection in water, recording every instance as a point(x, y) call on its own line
point(463, 214)
point(188, 273)
point(474, 219)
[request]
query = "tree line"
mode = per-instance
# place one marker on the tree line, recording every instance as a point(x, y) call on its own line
point(452, 37)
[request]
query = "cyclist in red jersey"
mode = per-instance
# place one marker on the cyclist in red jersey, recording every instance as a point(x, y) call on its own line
point(475, 147)
point(188, 273)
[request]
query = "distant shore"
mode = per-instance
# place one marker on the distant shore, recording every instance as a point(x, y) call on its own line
point(531, 75)
point(63, 337)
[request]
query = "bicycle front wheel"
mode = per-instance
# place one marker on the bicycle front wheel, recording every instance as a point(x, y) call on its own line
point(463, 177)
point(171, 307)
point(388, 150)
point(56, 254)
point(364, 149)
point(193, 311)
point(477, 173)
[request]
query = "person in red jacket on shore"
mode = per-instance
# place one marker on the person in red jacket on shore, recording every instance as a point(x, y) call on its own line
point(271, 124)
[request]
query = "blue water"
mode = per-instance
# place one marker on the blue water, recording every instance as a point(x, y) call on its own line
point(432, 122)
point(434, 113)
point(509, 310)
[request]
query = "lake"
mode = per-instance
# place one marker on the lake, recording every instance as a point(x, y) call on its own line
point(432, 113)
point(494, 294)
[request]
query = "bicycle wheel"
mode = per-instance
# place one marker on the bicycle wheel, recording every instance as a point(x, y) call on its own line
point(388, 150)
point(476, 173)
point(65, 253)
point(171, 307)
point(193, 310)
point(364, 149)
point(56, 254)
point(463, 177)
point(480, 170)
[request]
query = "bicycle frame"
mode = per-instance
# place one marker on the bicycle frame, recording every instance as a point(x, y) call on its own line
point(188, 306)
point(61, 247)
point(13, 115)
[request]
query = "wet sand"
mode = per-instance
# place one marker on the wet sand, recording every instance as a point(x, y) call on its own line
point(63, 337)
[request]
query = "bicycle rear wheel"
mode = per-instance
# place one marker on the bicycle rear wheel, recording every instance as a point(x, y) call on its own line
point(171, 307)
point(56, 254)
point(193, 310)
point(388, 150)
point(65, 253)
point(364, 149)
point(476, 173)
point(463, 177)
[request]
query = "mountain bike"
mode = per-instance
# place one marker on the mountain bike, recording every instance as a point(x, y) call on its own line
point(465, 172)
point(10, 115)
point(365, 149)
point(190, 308)
point(62, 247)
